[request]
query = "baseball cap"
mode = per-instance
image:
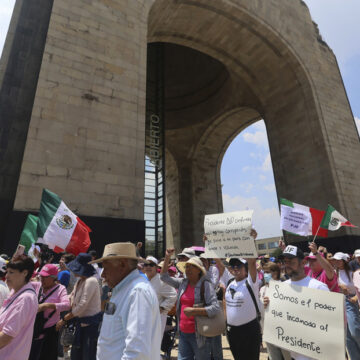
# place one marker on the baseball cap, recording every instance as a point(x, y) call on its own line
point(188, 252)
point(236, 260)
point(49, 270)
point(151, 259)
point(292, 252)
point(357, 253)
point(313, 256)
point(340, 256)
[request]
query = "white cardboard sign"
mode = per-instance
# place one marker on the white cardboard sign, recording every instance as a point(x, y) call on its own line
point(228, 235)
point(305, 321)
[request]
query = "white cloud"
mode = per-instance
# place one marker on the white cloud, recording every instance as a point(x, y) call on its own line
point(357, 122)
point(270, 187)
point(6, 9)
point(265, 221)
point(262, 177)
point(267, 165)
point(258, 138)
point(247, 187)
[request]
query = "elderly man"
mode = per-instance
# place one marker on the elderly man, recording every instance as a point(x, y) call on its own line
point(355, 264)
point(131, 324)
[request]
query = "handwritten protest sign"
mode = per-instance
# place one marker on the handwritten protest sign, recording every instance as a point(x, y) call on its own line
point(228, 235)
point(296, 220)
point(305, 321)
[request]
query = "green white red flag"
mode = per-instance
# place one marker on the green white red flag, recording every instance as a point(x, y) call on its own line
point(333, 220)
point(59, 228)
point(301, 220)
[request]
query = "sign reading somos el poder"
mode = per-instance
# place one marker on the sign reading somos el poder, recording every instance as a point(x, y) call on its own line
point(228, 235)
point(305, 321)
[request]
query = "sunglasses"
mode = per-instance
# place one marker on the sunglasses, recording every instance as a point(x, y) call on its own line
point(151, 264)
point(236, 267)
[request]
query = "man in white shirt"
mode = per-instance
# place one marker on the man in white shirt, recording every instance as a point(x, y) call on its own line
point(294, 267)
point(166, 294)
point(131, 326)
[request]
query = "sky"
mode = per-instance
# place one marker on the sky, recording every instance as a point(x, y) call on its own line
point(246, 171)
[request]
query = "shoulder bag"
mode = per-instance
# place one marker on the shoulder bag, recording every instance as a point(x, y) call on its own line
point(210, 327)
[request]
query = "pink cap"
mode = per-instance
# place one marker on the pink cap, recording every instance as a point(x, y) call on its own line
point(172, 268)
point(49, 270)
point(313, 257)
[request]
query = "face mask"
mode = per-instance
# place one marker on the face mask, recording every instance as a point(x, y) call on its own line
point(267, 277)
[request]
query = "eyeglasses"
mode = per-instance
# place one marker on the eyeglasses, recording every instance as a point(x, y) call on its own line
point(151, 264)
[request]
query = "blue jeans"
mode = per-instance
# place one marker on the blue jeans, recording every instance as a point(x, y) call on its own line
point(353, 329)
point(189, 350)
point(216, 348)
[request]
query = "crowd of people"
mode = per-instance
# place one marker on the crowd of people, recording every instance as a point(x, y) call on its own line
point(120, 306)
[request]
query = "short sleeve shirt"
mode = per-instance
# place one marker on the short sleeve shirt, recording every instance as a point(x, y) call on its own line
point(240, 308)
point(321, 276)
point(17, 321)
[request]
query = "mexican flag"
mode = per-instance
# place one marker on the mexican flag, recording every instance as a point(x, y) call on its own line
point(29, 235)
point(301, 220)
point(333, 220)
point(59, 227)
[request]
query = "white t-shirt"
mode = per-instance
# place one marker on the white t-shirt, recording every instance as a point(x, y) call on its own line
point(344, 280)
point(240, 308)
point(312, 284)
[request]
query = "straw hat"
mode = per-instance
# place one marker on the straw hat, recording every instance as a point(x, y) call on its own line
point(117, 251)
point(196, 261)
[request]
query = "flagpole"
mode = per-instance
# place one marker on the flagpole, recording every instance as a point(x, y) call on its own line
point(316, 233)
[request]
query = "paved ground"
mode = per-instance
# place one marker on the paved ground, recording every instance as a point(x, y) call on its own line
point(226, 352)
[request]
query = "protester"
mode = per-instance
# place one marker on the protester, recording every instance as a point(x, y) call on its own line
point(186, 254)
point(4, 290)
point(85, 308)
point(295, 268)
point(65, 277)
point(212, 274)
point(17, 315)
point(272, 273)
point(355, 264)
point(320, 269)
point(131, 326)
point(345, 278)
point(53, 300)
point(98, 269)
point(165, 293)
point(191, 344)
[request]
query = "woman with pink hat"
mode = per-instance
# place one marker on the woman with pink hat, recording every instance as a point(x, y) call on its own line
point(53, 300)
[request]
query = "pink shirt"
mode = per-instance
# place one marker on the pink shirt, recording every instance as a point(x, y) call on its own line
point(59, 297)
point(18, 322)
point(187, 324)
point(321, 276)
point(356, 281)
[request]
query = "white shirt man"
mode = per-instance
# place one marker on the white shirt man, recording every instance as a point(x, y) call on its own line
point(131, 323)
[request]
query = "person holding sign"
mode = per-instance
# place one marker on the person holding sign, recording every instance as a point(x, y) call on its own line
point(242, 309)
point(295, 269)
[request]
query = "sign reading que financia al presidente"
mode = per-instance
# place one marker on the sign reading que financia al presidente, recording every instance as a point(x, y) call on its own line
point(305, 321)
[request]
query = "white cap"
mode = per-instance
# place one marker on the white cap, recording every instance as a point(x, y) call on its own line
point(152, 259)
point(3, 263)
point(341, 256)
point(357, 253)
